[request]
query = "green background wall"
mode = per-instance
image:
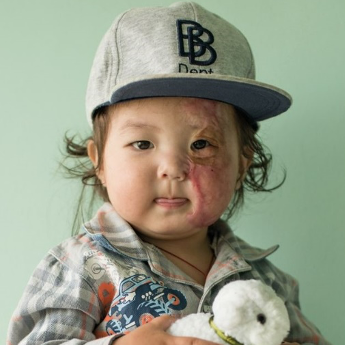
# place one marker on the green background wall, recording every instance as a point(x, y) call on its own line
point(45, 54)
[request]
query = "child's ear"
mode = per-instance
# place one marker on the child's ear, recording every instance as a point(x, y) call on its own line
point(92, 152)
point(93, 155)
point(245, 161)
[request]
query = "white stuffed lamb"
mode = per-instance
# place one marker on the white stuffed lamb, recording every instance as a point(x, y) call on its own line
point(245, 312)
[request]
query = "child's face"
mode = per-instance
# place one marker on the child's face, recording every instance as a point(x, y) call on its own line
point(172, 165)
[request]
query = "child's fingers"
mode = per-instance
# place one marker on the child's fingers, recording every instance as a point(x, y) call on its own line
point(192, 341)
point(154, 332)
point(163, 322)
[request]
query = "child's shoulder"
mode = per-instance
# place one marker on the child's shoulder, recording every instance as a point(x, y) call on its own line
point(79, 254)
point(73, 247)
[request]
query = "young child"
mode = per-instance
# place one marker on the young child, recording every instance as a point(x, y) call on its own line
point(174, 108)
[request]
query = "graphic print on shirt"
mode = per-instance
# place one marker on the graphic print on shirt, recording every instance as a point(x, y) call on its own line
point(95, 265)
point(139, 300)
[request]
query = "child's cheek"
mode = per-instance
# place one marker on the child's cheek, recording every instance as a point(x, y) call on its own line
point(213, 189)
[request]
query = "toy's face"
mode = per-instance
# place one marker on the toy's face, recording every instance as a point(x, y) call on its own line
point(171, 165)
point(251, 312)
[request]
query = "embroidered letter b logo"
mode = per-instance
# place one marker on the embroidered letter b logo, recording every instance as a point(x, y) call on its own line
point(195, 43)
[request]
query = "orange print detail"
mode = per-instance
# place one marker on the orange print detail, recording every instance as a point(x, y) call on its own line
point(106, 293)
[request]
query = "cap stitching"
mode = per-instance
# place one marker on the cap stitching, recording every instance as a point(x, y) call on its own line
point(252, 65)
point(192, 5)
point(118, 47)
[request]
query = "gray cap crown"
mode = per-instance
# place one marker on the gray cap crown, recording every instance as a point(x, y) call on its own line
point(180, 50)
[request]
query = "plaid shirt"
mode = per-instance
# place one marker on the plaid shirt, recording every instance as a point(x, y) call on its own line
point(99, 285)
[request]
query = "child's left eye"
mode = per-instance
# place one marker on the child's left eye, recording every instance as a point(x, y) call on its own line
point(142, 145)
point(200, 144)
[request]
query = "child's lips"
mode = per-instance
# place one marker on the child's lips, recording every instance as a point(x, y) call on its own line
point(171, 202)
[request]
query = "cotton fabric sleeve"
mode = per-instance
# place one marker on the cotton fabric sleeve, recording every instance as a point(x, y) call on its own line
point(58, 307)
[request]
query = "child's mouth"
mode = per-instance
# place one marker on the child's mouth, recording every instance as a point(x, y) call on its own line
point(171, 202)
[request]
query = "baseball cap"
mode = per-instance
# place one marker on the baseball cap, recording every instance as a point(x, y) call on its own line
point(179, 51)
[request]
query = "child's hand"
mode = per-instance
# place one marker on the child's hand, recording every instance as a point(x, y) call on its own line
point(154, 333)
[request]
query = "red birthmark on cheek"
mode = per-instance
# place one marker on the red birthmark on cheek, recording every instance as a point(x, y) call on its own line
point(212, 194)
point(214, 169)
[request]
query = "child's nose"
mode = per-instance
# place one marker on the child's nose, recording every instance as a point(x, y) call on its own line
point(173, 166)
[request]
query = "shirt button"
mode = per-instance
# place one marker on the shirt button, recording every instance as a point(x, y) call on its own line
point(207, 309)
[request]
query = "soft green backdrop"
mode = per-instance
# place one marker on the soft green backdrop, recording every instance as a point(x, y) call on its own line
point(45, 54)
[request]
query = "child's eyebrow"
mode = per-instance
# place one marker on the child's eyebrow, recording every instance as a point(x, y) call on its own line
point(130, 124)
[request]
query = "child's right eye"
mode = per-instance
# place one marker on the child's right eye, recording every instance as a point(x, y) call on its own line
point(142, 145)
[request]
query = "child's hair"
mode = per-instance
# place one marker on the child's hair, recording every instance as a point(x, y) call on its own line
point(256, 179)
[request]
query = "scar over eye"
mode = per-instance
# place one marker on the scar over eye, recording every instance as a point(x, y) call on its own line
point(214, 136)
point(206, 114)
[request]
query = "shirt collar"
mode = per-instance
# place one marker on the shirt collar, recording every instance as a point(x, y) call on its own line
point(115, 234)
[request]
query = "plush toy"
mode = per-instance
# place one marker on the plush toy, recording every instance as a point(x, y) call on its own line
point(245, 312)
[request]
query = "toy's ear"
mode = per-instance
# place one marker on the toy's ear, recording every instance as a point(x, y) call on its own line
point(226, 306)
